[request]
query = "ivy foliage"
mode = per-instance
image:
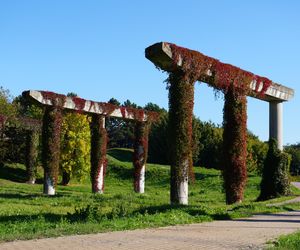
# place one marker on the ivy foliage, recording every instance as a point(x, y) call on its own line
point(275, 176)
point(140, 155)
point(52, 120)
point(98, 150)
point(234, 146)
point(75, 146)
point(181, 103)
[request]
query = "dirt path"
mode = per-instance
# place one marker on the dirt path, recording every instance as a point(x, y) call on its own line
point(248, 233)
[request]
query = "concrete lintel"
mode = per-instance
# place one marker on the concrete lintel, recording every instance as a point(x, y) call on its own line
point(161, 55)
point(90, 106)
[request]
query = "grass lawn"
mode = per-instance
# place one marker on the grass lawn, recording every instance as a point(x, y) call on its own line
point(287, 242)
point(25, 213)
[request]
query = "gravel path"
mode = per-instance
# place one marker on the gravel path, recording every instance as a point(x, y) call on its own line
point(248, 233)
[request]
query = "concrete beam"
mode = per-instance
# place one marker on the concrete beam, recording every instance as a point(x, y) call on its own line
point(161, 55)
point(87, 106)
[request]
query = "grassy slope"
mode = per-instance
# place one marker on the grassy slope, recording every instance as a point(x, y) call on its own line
point(25, 213)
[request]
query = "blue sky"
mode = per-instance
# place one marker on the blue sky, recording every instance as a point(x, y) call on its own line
point(96, 49)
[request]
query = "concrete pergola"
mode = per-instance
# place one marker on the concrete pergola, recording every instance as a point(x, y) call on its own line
point(33, 128)
point(162, 55)
point(98, 111)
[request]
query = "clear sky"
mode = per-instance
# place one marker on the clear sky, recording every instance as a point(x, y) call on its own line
point(96, 49)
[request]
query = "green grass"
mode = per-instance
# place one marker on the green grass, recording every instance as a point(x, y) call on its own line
point(287, 242)
point(26, 213)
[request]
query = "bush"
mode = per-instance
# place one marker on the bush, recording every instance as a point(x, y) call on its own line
point(275, 176)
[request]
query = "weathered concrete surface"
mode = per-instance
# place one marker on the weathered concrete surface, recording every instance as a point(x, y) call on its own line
point(91, 106)
point(249, 233)
point(161, 55)
point(276, 123)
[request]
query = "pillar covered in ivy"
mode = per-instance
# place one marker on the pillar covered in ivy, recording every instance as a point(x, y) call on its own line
point(234, 146)
point(141, 132)
point(98, 153)
point(181, 102)
point(32, 141)
point(51, 147)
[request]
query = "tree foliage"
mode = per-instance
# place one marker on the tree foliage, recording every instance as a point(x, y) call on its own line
point(294, 151)
point(75, 146)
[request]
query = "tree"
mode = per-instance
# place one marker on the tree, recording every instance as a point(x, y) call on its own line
point(210, 145)
point(7, 107)
point(294, 151)
point(28, 108)
point(8, 111)
point(256, 153)
point(120, 132)
point(75, 147)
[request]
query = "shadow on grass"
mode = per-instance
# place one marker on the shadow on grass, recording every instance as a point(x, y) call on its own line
point(191, 210)
point(121, 154)
point(15, 174)
point(200, 176)
point(33, 196)
point(48, 217)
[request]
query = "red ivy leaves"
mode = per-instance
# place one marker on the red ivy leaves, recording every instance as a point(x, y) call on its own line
point(198, 66)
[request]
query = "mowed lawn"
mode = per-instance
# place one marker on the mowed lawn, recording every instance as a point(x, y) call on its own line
point(25, 213)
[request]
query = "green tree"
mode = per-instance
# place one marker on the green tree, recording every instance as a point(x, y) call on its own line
point(75, 146)
point(211, 141)
point(294, 151)
point(7, 107)
point(28, 108)
point(8, 112)
point(256, 153)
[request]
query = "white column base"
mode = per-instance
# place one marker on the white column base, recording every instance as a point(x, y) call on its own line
point(142, 181)
point(100, 181)
point(183, 190)
point(49, 188)
point(32, 181)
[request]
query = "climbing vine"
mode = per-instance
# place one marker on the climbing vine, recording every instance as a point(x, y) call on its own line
point(140, 154)
point(181, 102)
point(221, 76)
point(51, 142)
point(98, 150)
point(31, 155)
point(234, 146)
point(235, 83)
point(51, 129)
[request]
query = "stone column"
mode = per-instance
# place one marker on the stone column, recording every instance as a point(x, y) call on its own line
point(32, 141)
point(275, 123)
point(51, 147)
point(140, 156)
point(181, 103)
point(98, 153)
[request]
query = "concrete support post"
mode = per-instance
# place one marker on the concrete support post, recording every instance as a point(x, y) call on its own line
point(275, 123)
point(181, 103)
point(234, 146)
point(98, 153)
point(51, 147)
point(31, 155)
point(140, 156)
